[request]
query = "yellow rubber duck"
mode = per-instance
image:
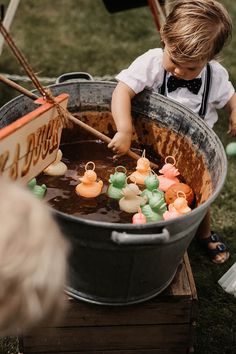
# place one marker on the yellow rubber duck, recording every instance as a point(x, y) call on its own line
point(89, 186)
point(143, 170)
point(57, 168)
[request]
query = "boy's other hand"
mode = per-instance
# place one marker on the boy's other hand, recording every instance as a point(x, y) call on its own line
point(231, 107)
point(232, 124)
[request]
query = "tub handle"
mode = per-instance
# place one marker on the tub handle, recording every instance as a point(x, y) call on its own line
point(77, 76)
point(123, 238)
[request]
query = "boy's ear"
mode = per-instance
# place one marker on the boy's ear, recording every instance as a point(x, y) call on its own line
point(162, 39)
point(162, 43)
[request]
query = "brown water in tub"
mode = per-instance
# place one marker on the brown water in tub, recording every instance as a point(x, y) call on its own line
point(61, 190)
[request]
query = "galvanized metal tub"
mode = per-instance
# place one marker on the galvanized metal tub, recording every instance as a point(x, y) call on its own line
point(120, 264)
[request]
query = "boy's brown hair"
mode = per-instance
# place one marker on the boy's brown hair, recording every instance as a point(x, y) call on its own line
point(196, 30)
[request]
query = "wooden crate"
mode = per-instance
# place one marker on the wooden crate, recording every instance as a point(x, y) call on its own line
point(163, 325)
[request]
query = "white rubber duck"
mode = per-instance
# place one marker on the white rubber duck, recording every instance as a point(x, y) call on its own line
point(131, 200)
point(57, 168)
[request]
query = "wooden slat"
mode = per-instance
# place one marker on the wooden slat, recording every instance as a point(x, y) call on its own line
point(178, 350)
point(194, 307)
point(150, 312)
point(190, 276)
point(102, 338)
point(180, 284)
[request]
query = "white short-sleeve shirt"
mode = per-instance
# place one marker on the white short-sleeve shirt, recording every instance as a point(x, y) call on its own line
point(147, 71)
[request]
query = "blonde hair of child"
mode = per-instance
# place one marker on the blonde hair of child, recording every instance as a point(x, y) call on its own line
point(196, 30)
point(33, 261)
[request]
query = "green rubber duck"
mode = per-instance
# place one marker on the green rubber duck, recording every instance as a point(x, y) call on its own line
point(151, 182)
point(117, 181)
point(38, 191)
point(156, 207)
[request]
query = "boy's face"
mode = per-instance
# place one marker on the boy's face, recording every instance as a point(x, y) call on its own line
point(187, 71)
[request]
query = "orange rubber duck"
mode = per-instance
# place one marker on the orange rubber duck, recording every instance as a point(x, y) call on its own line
point(89, 186)
point(178, 207)
point(143, 170)
point(169, 173)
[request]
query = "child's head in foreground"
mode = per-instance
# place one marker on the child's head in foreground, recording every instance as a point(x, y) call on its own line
point(194, 33)
point(33, 261)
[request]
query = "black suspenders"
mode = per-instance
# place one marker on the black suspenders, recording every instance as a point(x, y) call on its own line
point(205, 95)
point(162, 89)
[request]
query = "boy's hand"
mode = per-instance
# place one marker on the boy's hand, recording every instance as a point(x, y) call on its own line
point(120, 143)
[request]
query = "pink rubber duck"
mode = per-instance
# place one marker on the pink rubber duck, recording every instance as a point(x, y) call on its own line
point(142, 170)
point(139, 218)
point(178, 207)
point(89, 187)
point(169, 173)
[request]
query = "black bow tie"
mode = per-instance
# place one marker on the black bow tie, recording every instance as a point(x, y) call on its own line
point(192, 85)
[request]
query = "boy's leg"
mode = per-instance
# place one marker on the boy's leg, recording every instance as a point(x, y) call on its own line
point(210, 241)
point(204, 229)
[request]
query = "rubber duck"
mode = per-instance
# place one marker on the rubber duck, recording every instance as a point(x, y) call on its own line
point(178, 208)
point(57, 168)
point(139, 218)
point(38, 191)
point(171, 193)
point(151, 182)
point(117, 183)
point(131, 200)
point(169, 174)
point(89, 186)
point(171, 213)
point(155, 208)
point(142, 170)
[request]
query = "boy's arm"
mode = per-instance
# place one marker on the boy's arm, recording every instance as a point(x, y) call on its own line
point(231, 107)
point(121, 111)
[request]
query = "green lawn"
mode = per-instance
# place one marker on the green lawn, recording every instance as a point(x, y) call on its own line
point(80, 35)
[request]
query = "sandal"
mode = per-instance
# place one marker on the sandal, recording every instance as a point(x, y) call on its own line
point(213, 252)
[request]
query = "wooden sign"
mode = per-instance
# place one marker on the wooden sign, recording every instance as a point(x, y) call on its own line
point(30, 144)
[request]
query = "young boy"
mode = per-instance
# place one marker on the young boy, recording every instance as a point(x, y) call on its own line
point(185, 71)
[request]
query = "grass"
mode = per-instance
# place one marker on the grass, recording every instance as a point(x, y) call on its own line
point(80, 35)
